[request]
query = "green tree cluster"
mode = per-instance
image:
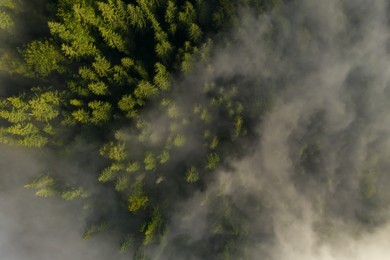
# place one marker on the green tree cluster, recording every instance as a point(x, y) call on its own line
point(93, 71)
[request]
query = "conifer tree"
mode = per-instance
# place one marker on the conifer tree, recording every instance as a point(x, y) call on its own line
point(102, 66)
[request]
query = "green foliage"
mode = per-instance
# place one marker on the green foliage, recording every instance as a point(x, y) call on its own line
point(171, 14)
point(164, 157)
point(101, 111)
point(44, 186)
point(113, 151)
point(98, 88)
point(179, 140)
point(13, 64)
point(205, 115)
point(46, 106)
point(163, 49)
point(213, 160)
point(162, 78)
point(6, 21)
point(133, 167)
point(113, 39)
point(192, 174)
point(136, 16)
point(214, 142)
point(173, 111)
point(43, 58)
point(150, 161)
point(101, 66)
point(87, 73)
point(33, 140)
point(122, 183)
point(188, 13)
point(74, 194)
point(109, 173)
point(23, 129)
point(42, 107)
point(137, 198)
point(127, 104)
point(104, 67)
point(26, 118)
point(145, 90)
point(187, 62)
point(152, 227)
point(95, 229)
point(114, 13)
point(195, 32)
point(81, 115)
point(238, 126)
point(127, 242)
point(10, 4)
point(17, 113)
point(85, 14)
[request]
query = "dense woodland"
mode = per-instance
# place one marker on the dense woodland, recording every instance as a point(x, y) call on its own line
point(101, 72)
point(102, 85)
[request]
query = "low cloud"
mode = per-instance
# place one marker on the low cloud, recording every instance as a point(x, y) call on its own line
point(315, 184)
point(315, 187)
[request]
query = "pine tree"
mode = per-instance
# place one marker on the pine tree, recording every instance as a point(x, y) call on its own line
point(102, 67)
point(152, 227)
point(137, 199)
point(43, 58)
point(101, 111)
point(136, 16)
point(44, 185)
point(6, 21)
point(45, 107)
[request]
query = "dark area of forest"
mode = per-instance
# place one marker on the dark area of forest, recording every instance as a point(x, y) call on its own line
point(222, 129)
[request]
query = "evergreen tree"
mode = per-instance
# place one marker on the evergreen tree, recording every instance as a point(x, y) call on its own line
point(101, 67)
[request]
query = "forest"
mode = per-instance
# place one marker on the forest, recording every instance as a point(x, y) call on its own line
point(203, 129)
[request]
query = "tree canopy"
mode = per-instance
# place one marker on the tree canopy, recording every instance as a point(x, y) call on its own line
point(110, 73)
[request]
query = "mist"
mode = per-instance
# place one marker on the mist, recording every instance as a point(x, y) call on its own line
point(315, 186)
point(313, 182)
point(42, 228)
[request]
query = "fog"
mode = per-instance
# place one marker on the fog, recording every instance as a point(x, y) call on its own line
point(42, 228)
point(313, 185)
point(331, 60)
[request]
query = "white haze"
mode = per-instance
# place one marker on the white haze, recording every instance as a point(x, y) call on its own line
point(41, 228)
point(333, 58)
